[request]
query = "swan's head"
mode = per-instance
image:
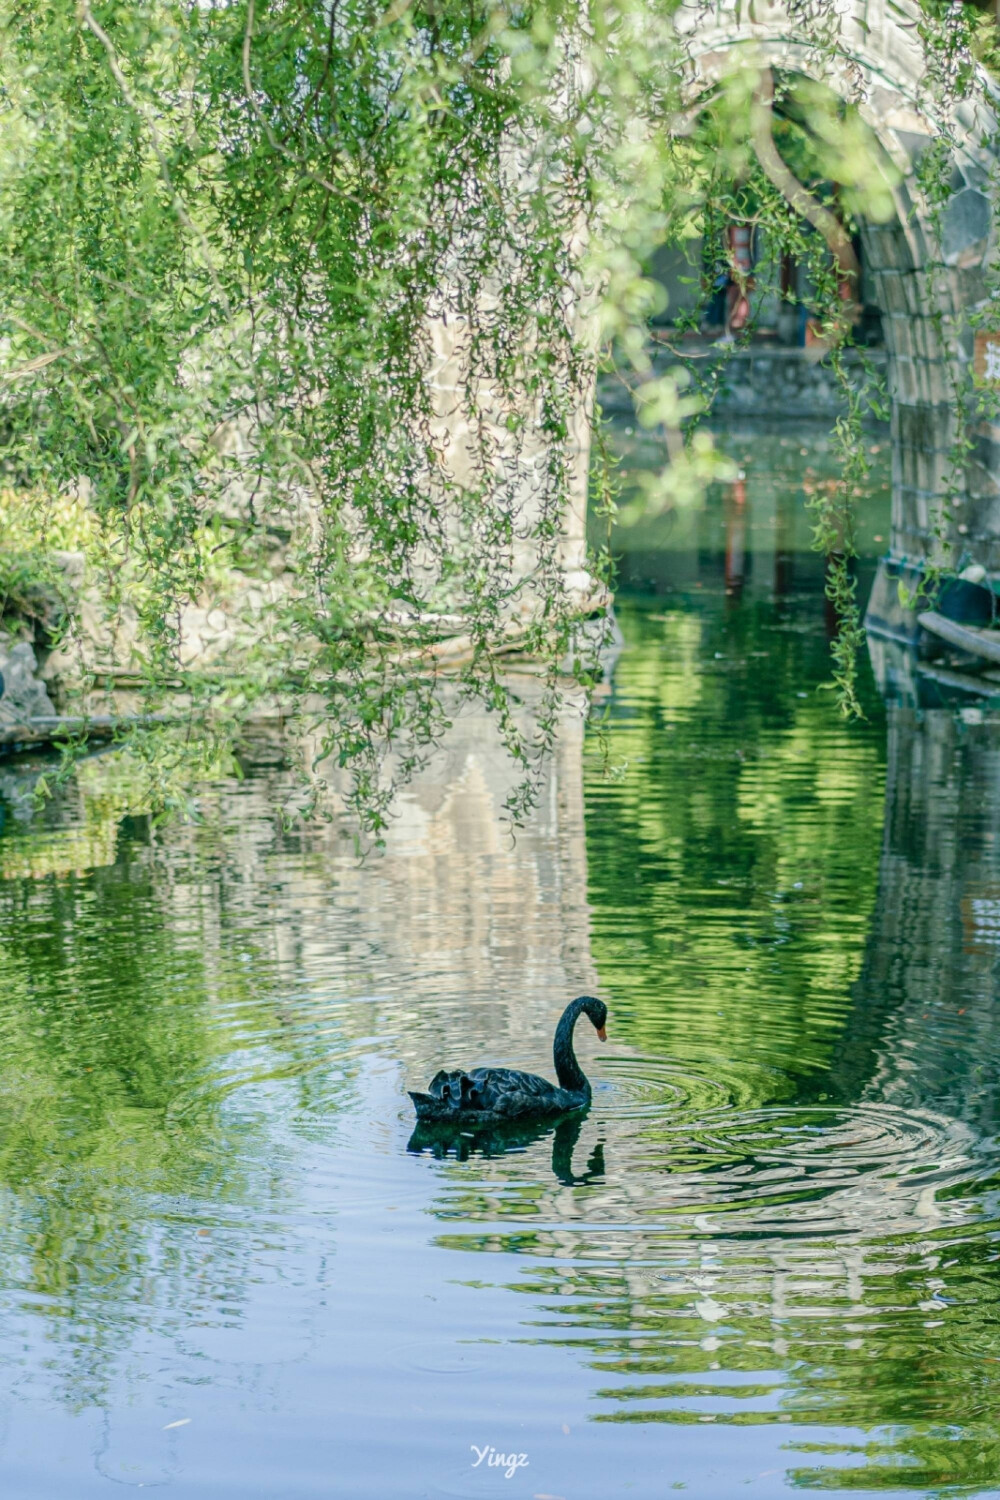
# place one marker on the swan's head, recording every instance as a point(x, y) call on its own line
point(596, 1011)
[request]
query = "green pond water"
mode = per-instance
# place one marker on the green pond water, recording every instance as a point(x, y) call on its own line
point(768, 1259)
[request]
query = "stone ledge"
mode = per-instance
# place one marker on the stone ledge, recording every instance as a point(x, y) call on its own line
point(764, 380)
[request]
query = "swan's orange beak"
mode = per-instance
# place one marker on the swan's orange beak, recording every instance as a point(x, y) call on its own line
point(602, 1035)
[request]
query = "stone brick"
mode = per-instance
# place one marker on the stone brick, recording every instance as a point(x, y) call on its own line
point(925, 429)
point(894, 331)
point(974, 173)
point(888, 249)
point(933, 471)
point(903, 382)
point(892, 292)
point(969, 286)
point(965, 227)
point(986, 453)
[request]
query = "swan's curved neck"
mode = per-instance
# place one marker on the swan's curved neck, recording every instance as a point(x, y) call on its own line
point(568, 1070)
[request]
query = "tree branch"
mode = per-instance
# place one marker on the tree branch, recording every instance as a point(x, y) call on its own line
point(795, 193)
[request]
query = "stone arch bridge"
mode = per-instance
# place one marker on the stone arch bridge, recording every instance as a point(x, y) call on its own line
point(929, 277)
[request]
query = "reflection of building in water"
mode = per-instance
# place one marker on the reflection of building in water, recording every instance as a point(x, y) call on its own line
point(825, 1260)
point(164, 1062)
point(924, 1029)
point(461, 907)
point(461, 910)
point(736, 537)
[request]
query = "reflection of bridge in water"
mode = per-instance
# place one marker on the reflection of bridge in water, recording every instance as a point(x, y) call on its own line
point(764, 1252)
point(924, 1028)
point(772, 1259)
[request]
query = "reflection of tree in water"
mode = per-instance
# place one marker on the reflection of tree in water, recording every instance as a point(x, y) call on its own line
point(205, 974)
point(826, 1253)
point(732, 869)
point(127, 1155)
point(750, 1249)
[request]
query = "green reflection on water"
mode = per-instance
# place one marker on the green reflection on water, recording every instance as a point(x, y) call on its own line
point(144, 1051)
point(782, 1207)
point(782, 1235)
point(798, 1222)
point(733, 877)
point(733, 869)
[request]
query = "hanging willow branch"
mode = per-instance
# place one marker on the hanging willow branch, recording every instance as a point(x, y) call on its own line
point(300, 317)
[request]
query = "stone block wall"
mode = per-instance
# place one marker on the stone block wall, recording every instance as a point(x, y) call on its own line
point(764, 380)
point(925, 319)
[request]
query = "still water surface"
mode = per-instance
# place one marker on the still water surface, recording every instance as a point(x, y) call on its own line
point(769, 1259)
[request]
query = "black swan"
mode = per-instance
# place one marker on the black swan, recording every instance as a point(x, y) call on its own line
point(488, 1094)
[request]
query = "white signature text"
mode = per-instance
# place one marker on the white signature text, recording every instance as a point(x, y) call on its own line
point(509, 1462)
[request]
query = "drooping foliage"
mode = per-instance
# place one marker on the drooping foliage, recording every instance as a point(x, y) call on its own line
point(302, 305)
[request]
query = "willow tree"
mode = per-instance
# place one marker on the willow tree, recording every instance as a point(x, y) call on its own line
point(339, 273)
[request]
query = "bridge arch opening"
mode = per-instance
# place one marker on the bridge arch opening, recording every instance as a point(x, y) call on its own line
point(928, 264)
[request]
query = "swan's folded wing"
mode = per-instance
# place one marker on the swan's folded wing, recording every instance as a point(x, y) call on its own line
point(448, 1086)
point(494, 1089)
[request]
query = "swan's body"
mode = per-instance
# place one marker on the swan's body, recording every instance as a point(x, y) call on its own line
point(485, 1095)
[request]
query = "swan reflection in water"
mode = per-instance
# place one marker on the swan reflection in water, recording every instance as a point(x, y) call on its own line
point(443, 1140)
